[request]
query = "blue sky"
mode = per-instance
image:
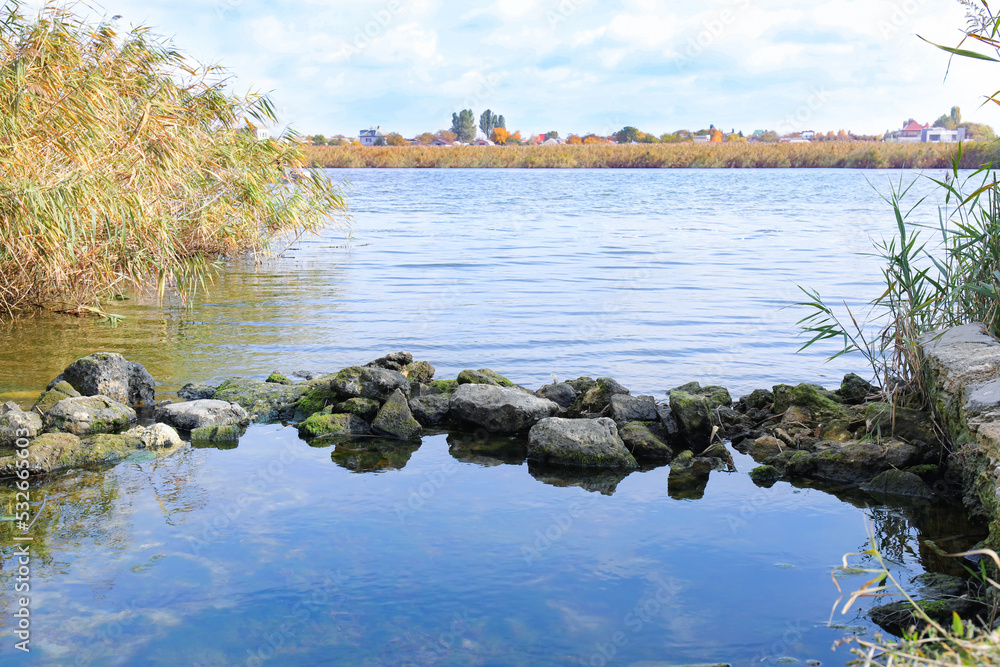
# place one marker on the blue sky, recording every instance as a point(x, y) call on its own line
point(580, 66)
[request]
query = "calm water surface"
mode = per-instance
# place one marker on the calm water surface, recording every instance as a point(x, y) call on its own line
point(453, 553)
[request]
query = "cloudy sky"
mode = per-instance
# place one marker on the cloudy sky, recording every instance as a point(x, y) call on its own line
point(578, 66)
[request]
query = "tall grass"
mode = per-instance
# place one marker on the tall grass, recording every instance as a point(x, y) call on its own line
point(845, 154)
point(124, 164)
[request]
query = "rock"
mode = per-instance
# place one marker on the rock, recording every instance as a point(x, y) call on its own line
point(898, 483)
point(560, 393)
point(592, 443)
point(937, 586)
point(264, 401)
point(822, 403)
point(582, 385)
point(191, 415)
point(369, 382)
point(717, 451)
point(396, 361)
point(898, 616)
point(309, 375)
point(764, 447)
point(194, 391)
point(765, 476)
point(430, 410)
point(446, 387)
point(838, 430)
point(904, 423)
point(483, 376)
point(278, 378)
point(693, 418)
point(854, 389)
point(796, 415)
point(366, 408)
point(83, 415)
point(15, 424)
point(499, 409)
point(758, 399)
point(715, 395)
point(157, 436)
point(395, 420)
point(320, 425)
point(50, 452)
point(626, 408)
point(110, 374)
point(318, 395)
point(597, 398)
point(647, 441)
point(221, 433)
point(55, 393)
point(419, 371)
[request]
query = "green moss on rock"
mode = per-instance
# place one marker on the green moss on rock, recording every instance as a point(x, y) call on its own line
point(278, 378)
point(483, 376)
point(765, 475)
point(319, 425)
point(823, 404)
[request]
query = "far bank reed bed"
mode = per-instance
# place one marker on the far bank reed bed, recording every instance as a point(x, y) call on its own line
point(835, 154)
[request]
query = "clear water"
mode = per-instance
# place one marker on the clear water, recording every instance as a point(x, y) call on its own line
point(456, 551)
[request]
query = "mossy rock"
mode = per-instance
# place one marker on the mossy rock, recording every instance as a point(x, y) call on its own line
point(898, 483)
point(598, 397)
point(50, 452)
point(483, 376)
point(758, 399)
point(854, 389)
point(446, 387)
point(278, 378)
point(369, 382)
point(717, 451)
point(50, 397)
point(694, 418)
point(366, 408)
point(837, 430)
point(764, 447)
point(800, 464)
point(419, 371)
point(582, 384)
point(317, 396)
point(265, 401)
point(765, 476)
point(394, 419)
point(904, 423)
point(928, 472)
point(823, 404)
point(320, 425)
point(647, 441)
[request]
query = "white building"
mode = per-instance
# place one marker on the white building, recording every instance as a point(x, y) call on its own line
point(370, 136)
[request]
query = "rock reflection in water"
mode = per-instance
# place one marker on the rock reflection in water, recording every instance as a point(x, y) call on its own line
point(487, 449)
point(603, 481)
point(371, 454)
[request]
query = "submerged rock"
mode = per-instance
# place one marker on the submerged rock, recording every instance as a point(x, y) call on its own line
point(191, 415)
point(898, 483)
point(264, 401)
point(896, 617)
point(765, 476)
point(16, 424)
point(110, 374)
point(395, 419)
point(592, 443)
point(83, 415)
point(499, 409)
point(228, 433)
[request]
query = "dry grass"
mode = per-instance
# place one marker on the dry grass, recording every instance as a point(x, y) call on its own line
point(726, 155)
point(122, 163)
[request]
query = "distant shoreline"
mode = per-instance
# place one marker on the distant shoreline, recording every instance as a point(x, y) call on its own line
point(834, 154)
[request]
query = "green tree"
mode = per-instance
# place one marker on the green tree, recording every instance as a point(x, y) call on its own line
point(463, 124)
point(425, 138)
point(318, 140)
point(552, 135)
point(395, 139)
point(627, 135)
point(956, 115)
point(488, 122)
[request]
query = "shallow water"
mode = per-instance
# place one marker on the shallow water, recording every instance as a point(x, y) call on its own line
point(456, 551)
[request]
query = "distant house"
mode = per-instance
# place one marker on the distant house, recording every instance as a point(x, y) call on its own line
point(700, 138)
point(262, 134)
point(370, 136)
point(484, 142)
point(439, 142)
point(915, 133)
point(807, 134)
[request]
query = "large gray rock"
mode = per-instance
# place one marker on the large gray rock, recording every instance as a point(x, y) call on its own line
point(56, 392)
point(194, 391)
point(16, 424)
point(369, 382)
point(898, 483)
point(204, 412)
point(155, 436)
point(694, 418)
point(110, 374)
point(626, 408)
point(263, 401)
point(647, 440)
point(394, 419)
point(499, 409)
point(592, 443)
point(84, 415)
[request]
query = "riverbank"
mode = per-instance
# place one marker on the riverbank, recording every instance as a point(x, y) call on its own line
point(847, 155)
